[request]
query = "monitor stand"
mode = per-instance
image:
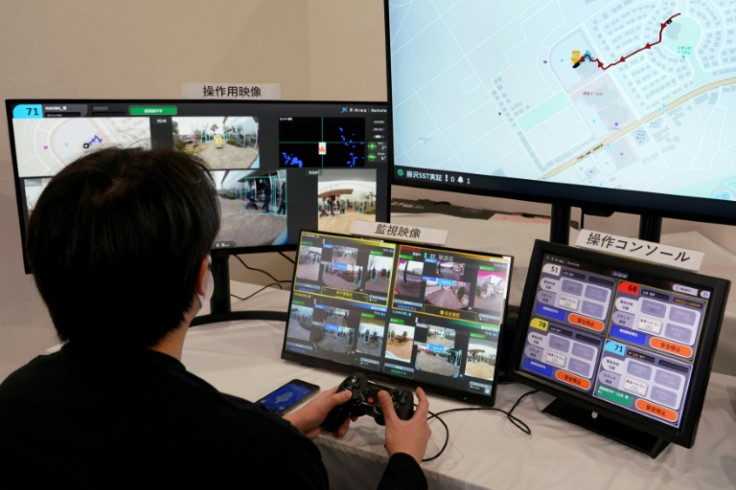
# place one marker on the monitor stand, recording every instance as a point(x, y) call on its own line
point(607, 427)
point(650, 226)
point(220, 308)
point(559, 226)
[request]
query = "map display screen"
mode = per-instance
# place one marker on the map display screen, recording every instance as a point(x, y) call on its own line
point(605, 96)
point(45, 146)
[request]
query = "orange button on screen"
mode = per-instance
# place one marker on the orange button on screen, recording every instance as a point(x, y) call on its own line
point(572, 379)
point(672, 347)
point(656, 410)
point(586, 322)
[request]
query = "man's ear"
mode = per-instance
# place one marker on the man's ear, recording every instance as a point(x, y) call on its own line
point(203, 277)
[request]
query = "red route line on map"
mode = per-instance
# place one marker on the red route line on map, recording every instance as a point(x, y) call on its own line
point(623, 58)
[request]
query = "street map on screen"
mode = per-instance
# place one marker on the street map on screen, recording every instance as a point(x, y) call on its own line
point(616, 94)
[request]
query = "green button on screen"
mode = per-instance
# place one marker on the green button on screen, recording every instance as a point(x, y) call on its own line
point(152, 111)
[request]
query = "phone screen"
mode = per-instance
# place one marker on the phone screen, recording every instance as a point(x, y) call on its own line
point(288, 395)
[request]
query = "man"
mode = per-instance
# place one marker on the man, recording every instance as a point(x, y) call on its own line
point(266, 195)
point(118, 245)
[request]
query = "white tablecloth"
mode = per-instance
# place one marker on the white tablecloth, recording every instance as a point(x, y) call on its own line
point(484, 450)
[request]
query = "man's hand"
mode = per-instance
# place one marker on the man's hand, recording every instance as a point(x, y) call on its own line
point(406, 436)
point(308, 419)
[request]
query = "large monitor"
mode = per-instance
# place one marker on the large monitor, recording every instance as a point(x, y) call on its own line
point(402, 312)
point(625, 346)
point(606, 106)
point(279, 166)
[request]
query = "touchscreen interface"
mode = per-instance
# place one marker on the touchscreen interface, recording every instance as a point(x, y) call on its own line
point(621, 335)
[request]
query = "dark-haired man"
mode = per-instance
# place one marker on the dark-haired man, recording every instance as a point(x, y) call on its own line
point(118, 244)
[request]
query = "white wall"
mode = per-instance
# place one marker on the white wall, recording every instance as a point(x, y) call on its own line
point(619, 224)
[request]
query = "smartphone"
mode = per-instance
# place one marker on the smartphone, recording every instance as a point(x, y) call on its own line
point(288, 396)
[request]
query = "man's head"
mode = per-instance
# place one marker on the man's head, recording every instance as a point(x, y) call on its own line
point(116, 242)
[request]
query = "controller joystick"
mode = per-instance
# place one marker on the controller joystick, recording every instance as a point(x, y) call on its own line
point(364, 401)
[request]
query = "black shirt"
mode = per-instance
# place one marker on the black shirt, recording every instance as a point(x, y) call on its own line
point(84, 419)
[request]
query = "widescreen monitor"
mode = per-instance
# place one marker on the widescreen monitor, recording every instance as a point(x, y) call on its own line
point(626, 346)
point(410, 313)
point(607, 106)
point(279, 166)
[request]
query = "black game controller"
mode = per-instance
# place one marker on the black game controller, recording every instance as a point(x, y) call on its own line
point(365, 402)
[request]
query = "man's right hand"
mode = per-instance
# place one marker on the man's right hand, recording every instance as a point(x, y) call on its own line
point(406, 436)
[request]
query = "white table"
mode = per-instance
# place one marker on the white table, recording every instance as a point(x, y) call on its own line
point(485, 450)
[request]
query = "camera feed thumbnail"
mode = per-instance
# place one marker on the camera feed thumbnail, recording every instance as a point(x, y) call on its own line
point(400, 341)
point(252, 207)
point(447, 293)
point(481, 358)
point(329, 329)
point(323, 327)
point(371, 333)
point(431, 278)
point(309, 263)
point(490, 290)
point(409, 279)
point(345, 268)
point(299, 325)
point(336, 142)
point(224, 142)
point(439, 353)
point(436, 282)
point(342, 271)
point(32, 189)
point(344, 196)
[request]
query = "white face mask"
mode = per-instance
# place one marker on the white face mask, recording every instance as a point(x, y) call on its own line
point(209, 286)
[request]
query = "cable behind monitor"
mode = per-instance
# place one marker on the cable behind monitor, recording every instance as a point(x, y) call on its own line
point(220, 304)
